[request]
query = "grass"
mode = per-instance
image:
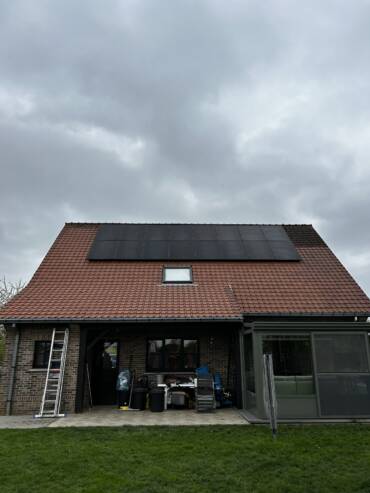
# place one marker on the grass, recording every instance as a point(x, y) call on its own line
point(312, 459)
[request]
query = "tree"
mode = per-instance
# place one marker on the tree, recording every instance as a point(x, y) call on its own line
point(8, 290)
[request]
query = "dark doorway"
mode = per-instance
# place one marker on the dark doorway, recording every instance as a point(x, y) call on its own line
point(105, 372)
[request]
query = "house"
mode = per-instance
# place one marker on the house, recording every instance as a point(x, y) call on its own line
point(163, 299)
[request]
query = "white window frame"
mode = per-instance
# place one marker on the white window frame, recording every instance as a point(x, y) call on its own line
point(178, 281)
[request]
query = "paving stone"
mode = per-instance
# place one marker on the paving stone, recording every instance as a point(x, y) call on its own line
point(106, 416)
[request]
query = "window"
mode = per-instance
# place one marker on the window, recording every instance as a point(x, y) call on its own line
point(341, 353)
point(292, 360)
point(110, 355)
point(41, 354)
point(342, 374)
point(177, 275)
point(344, 394)
point(172, 355)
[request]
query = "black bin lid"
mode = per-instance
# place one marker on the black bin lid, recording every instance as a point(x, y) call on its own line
point(157, 390)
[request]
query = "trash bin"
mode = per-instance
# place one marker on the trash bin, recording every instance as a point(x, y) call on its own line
point(139, 398)
point(156, 400)
point(123, 398)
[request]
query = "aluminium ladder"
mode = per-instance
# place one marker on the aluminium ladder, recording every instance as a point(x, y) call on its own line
point(205, 393)
point(51, 398)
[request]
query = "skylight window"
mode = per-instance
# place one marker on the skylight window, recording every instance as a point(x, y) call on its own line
point(177, 275)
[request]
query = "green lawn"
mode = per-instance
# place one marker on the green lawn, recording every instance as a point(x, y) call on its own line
point(310, 459)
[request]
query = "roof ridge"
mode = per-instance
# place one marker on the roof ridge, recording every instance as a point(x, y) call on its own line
point(86, 223)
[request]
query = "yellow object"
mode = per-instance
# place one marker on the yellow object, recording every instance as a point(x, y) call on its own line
point(124, 408)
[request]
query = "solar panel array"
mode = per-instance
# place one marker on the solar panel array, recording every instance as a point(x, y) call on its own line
point(192, 242)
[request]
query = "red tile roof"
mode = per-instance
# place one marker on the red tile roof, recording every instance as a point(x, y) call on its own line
point(68, 286)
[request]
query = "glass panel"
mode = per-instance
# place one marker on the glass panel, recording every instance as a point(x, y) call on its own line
point(155, 352)
point(41, 354)
point(190, 354)
point(341, 353)
point(290, 356)
point(292, 359)
point(172, 355)
point(177, 275)
point(344, 395)
point(110, 353)
point(249, 363)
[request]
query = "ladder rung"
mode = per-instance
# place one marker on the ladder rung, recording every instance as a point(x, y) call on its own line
point(55, 373)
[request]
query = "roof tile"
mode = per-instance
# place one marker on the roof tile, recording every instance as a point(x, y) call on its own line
point(68, 286)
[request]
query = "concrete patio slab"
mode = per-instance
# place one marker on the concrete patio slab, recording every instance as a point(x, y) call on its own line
point(24, 422)
point(107, 416)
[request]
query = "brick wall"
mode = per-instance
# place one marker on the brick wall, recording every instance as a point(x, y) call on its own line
point(214, 352)
point(29, 382)
point(5, 369)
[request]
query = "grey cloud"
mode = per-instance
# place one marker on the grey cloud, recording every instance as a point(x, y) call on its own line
point(184, 111)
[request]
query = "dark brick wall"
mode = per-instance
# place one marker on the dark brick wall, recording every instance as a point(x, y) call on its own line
point(5, 368)
point(214, 352)
point(29, 382)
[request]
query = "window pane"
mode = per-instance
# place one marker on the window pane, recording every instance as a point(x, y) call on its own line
point(172, 355)
point(344, 395)
point(41, 354)
point(341, 353)
point(155, 351)
point(177, 274)
point(292, 360)
point(190, 354)
point(110, 354)
point(190, 346)
point(290, 356)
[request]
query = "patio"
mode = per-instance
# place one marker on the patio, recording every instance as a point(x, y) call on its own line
point(108, 416)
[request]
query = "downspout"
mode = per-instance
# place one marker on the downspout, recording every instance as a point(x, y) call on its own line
point(12, 372)
point(242, 367)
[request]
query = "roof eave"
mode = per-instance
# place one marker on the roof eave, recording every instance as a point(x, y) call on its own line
point(307, 314)
point(119, 320)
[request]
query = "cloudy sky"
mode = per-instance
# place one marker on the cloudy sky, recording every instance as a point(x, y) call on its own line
point(192, 110)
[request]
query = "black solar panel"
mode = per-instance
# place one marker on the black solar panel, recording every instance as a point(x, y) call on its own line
point(191, 242)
